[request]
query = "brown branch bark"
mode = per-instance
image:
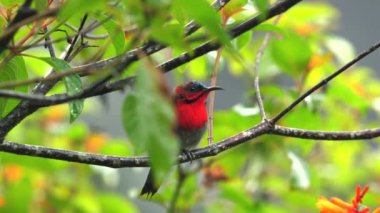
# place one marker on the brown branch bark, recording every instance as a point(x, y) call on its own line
point(212, 150)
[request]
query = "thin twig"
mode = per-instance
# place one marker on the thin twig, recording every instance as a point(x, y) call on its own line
point(11, 30)
point(76, 37)
point(213, 84)
point(49, 45)
point(256, 82)
point(212, 98)
point(324, 82)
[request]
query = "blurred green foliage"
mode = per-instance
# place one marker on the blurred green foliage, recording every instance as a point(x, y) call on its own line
point(268, 174)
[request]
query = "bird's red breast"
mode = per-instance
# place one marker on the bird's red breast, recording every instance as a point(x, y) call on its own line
point(192, 116)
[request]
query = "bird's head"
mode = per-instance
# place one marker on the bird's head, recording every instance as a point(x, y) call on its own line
point(192, 92)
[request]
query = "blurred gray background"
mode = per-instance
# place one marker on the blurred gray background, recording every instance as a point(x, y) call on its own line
point(359, 24)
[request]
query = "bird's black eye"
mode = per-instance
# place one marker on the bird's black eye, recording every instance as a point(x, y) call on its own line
point(195, 87)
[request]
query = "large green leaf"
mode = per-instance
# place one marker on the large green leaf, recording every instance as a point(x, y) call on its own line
point(15, 69)
point(169, 34)
point(262, 7)
point(72, 82)
point(116, 33)
point(291, 53)
point(148, 117)
point(78, 8)
point(201, 12)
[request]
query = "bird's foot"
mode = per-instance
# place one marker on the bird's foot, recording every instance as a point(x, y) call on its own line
point(189, 155)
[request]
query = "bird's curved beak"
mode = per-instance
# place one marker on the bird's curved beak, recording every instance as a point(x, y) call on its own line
point(209, 89)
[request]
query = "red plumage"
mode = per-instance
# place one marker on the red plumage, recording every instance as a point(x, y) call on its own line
point(190, 106)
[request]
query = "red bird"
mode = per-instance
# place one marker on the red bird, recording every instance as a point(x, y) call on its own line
point(190, 106)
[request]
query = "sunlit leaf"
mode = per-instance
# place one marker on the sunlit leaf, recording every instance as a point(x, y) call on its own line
point(342, 49)
point(80, 7)
point(300, 175)
point(15, 69)
point(72, 82)
point(41, 5)
point(270, 28)
point(204, 15)
point(292, 53)
point(169, 34)
point(242, 40)
point(262, 7)
point(117, 36)
point(233, 7)
point(197, 68)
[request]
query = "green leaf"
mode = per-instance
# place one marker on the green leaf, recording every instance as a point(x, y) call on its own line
point(72, 82)
point(170, 34)
point(202, 13)
point(147, 117)
point(343, 50)
point(114, 203)
point(79, 7)
point(41, 5)
point(10, 3)
point(300, 178)
point(73, 86)
point(197, 69)
point(234, 7)
point(15, 69)
point(270, 28)
point(291, 53)
point(116, 33)
point(242, 40)
point(262, 7)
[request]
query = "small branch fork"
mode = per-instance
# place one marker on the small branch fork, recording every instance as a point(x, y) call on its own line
point(256, 81)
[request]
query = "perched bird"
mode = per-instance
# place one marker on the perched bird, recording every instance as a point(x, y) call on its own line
point(190, 106)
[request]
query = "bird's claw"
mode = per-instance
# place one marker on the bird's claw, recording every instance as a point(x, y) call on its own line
point(189, 155)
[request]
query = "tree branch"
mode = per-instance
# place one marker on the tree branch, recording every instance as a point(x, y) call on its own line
point(132, 56)
point(212, 150)
point(25, 108)
point(326, 135)
point(325, 81)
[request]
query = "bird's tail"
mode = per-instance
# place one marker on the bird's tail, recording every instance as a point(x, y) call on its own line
point(149, 187)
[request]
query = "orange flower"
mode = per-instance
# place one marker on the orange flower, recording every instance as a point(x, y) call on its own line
point(327, 206)
point(336, 205)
